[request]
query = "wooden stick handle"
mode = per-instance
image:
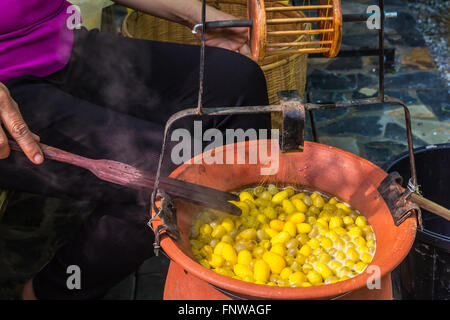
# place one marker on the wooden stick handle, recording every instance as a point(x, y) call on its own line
point(298, 44)
point(430, 206)
point(58, 155)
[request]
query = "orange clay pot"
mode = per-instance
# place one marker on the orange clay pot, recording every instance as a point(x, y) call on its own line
point(320, 167)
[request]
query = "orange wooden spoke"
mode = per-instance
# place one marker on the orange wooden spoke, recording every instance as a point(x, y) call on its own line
point(298, 8)
point(277, 25)
point(296, 51)
point(294, 20)
point(294, 32)
point(297, 44)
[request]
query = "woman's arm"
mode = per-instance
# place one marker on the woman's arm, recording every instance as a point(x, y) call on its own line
point(12, 121)
point(189, 13)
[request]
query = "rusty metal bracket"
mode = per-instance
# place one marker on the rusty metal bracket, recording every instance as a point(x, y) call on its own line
point(397, 199)
point(293, 130)
point(168, 215)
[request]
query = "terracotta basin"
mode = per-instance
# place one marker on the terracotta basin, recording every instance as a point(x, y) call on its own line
point(331, 170)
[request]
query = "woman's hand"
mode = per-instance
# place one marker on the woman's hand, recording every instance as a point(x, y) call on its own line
point(12, 121)
point(188, 12)
point(228, 38)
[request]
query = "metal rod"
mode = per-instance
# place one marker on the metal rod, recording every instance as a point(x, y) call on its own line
point(295, 20)
point(311, 117)
point(365, 16)
point(313, 126)
point(202, 68)
point(294, 32)
point(298, 44)
point(249, 23)
point(381, 47)
point(412, 162)
point(360, 52)
point(389, 53)
point(229, 24)
point(299, 8)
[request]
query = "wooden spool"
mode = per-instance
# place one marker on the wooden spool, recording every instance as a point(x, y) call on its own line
point(323, 34)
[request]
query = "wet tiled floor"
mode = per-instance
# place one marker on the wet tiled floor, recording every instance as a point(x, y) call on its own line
point(378, 133)
point(33, 227)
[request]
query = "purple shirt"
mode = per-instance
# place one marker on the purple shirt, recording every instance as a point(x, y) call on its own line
point(34, 37)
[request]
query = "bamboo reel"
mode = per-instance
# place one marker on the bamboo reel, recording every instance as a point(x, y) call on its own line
point(268, 34)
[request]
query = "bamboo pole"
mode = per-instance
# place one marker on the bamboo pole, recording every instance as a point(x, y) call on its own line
point(297, 20)
point(294, 32)
point(303, 50)
point(430, 206)
point(298, 44)
point(298, 8)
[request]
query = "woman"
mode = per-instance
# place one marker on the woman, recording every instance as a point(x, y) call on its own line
point(104, 96)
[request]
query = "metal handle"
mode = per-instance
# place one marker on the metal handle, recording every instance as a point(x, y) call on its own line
point(223, 24)
point(249, 23)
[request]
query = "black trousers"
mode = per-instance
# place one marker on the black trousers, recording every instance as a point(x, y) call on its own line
point(112, 101)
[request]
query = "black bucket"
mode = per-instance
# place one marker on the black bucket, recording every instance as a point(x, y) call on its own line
point(425, 272)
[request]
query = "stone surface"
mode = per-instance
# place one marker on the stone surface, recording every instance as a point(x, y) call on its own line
point(418, 58)
point(367, 92)
point(394, 3)
point(438, 101)
point(327, 96)
point(345, 64)
point(349, 144)
point(413, 80)
point(361, 41)
point(324, 115)
point(355, 28)
point(403, 24)
point(363, 126)
point(381, 152)
point(404, 95)
point(408, 39)
point(318, 79)
point(364, 93)
point(433, 23)
point(395, 132)
point(430, 131)
point(416, 111)
point(349, 8)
